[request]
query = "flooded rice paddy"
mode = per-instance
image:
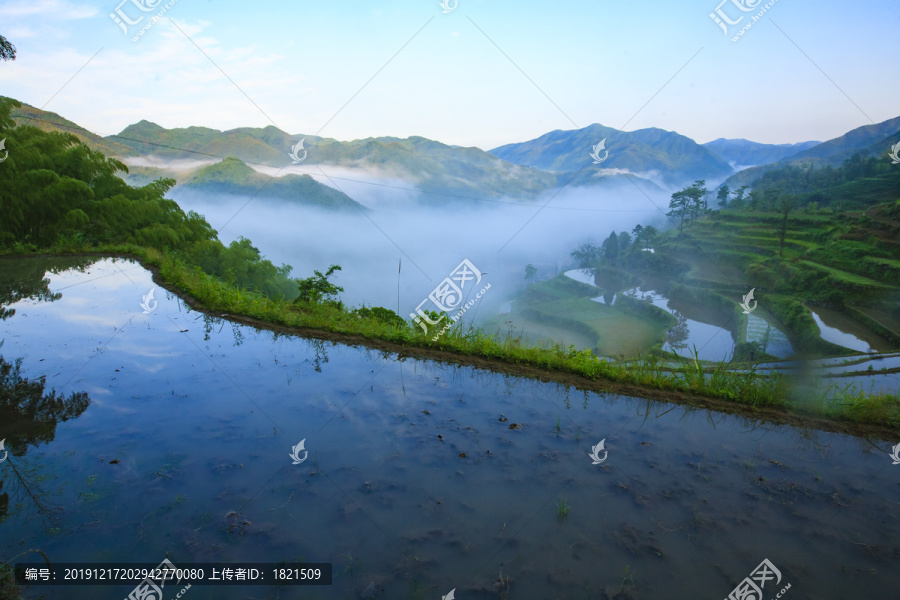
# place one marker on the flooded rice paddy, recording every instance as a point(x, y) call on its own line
point(712, 340)
point(421, 477)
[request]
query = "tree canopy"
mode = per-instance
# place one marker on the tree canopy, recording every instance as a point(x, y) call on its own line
point(55, 189)
point(7, 50)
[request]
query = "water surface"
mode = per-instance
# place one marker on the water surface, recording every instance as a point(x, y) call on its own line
point(421, 477)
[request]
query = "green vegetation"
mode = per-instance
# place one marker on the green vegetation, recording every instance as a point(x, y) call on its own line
point(436, 167)
point(49, 121)
point(562, 507)
point(857, 184)
point(7, 50)
point(868, 140)
point(55, 192)
point(59, 196)
point(233, 176)
point(794, 253)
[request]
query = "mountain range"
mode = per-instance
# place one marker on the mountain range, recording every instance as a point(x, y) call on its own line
point(744, 153)
point(871, 140)
point(654, 159)
point(651, 153)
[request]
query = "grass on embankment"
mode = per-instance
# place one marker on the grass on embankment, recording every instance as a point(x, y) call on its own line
point(694, 378)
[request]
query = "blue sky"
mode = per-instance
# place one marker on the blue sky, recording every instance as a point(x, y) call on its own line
point(484, 74)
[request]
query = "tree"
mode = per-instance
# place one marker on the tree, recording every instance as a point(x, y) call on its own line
point(785, 204)
point(530, 272)
point(755, 199)
point(722, 195)
point(317, 288)
point(7, 50)
point(738, 201)
point(624, 241)
point(697, 194)
point(650, 233)
point(585, 255)
point(770, 201)
point(611, 247)
point(678, 207)
point(638, 233)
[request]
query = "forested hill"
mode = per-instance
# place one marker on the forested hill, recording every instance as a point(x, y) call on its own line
point(50, 121)
point(57, 194)
point(869, 140)
point(233, 176)
point(859, 183)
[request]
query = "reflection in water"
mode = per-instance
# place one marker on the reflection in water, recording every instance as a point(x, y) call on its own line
point(678, 335)
point(421, 475)
point(841, 338)
point(28, 416)
point(771, 339)
point(20, 280)
point(712, 341)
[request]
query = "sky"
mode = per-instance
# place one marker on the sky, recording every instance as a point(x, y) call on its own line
point(482, 74)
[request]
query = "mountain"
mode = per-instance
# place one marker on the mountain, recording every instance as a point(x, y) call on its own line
point(428, 165)
point(740, 152)
point(836, 151)
point(654, 153)
point(50, 121)
point(868, 139)
point(268, 146)
point(440, 172)
point(437, 168)
point(233, 176)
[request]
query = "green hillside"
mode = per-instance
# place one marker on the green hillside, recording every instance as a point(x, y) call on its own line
point(431, 166)
point(266, 145)
point(868, 140)
point(233, 176)
point(861, 181)
point(50, 121)
point(438, 168)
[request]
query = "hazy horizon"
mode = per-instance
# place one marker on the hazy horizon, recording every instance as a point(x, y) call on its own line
point(482, 75)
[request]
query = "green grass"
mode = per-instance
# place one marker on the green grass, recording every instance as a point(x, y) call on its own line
point(884, 261)
point(845, 276)
point(747, 388)
point(562, 507)
point(534, 332)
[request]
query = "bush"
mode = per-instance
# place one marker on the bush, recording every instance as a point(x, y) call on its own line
point(378, 313)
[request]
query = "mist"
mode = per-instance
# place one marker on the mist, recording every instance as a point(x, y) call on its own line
point(426, 241)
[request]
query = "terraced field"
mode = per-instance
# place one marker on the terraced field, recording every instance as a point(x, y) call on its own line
point(846, 261)
point(561, 310)
point(831, 262)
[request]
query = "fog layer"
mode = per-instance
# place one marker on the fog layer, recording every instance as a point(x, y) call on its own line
point(429, 237)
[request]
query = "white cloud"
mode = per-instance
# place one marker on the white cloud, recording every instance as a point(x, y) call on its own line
point(54, 9)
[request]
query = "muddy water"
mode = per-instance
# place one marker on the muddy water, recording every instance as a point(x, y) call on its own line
point(202, 414)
